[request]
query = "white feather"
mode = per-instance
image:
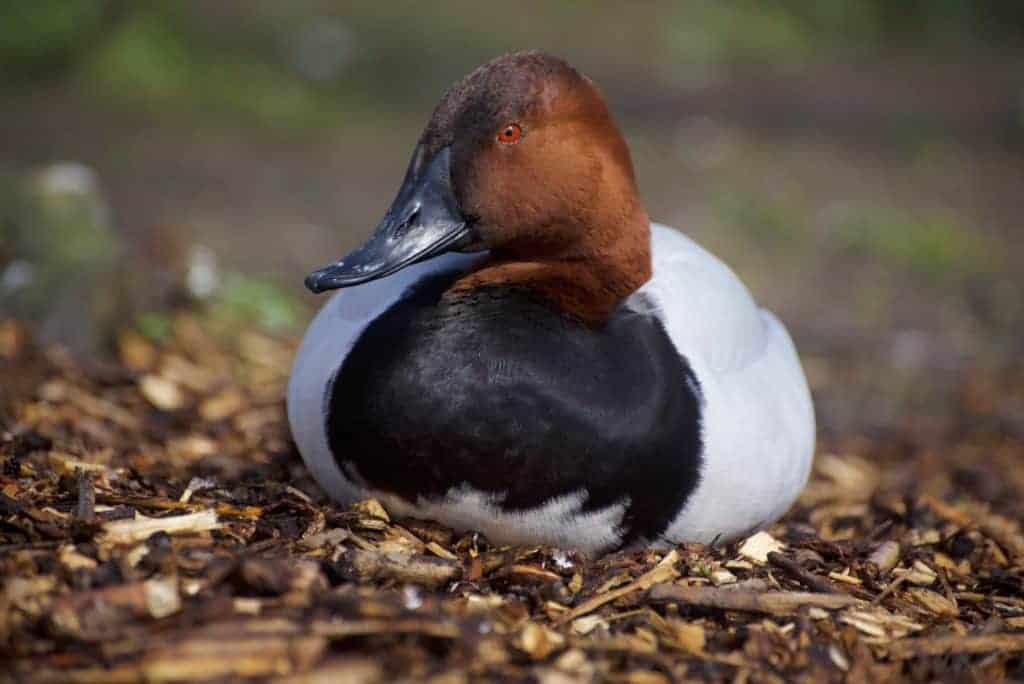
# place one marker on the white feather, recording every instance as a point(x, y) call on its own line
point(758, 420)
point(558, 522)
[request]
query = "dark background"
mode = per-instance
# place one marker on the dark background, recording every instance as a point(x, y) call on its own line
point(860, 164)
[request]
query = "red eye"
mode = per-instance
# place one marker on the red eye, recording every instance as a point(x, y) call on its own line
point(510, 134)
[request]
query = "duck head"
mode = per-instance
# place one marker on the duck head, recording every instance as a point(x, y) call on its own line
point(521, 158)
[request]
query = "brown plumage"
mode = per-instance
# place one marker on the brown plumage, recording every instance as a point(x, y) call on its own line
point(577, 233)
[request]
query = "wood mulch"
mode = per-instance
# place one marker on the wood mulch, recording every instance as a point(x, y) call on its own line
point(157, 525)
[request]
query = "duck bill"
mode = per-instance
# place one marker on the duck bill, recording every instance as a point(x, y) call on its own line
point(423, 221)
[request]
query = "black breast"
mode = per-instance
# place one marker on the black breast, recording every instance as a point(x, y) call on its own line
point(498, 391)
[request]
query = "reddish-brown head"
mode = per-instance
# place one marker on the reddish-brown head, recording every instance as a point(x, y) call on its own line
point(526, 150)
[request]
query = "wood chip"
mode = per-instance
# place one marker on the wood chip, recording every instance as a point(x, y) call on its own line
point(73, 560)
point(772, 602)
point(332, 537)
point(401, 566)
point(885, 556)
point(722, 576)
point(588, 623)
point(222, 406)
point(539, 642)
point(757, 547)
point(919, 574)
point(338, 629)
point(664, 571)
point(845, 578)
point(838, 658)
point(162, 597)
point(685, 636)
point(141, 528)
point(880, 624)
point(943, 646)
point(371, 508)
point(933, 602)
point(162, 393)
point(232, 658)
point(440, 551)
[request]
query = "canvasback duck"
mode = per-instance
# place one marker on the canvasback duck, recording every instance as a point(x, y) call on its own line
point(518, 351)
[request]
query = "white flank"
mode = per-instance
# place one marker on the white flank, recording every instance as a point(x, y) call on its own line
point(758, 420)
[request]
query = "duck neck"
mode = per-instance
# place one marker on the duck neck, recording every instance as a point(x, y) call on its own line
point(586, 281)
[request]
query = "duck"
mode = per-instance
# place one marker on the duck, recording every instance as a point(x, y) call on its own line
point(518, 351)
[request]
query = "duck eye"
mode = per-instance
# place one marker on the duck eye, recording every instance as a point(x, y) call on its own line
point(510, 134)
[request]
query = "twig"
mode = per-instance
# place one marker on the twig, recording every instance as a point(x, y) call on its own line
point(430, 571)
point(348, 628)
point(164, 504)
point(893, 586)
point(662, 572)
point(772, 602)
point(232, 659)
point(797, 572)
point(945, 645)
point(129, 531)
point(85, 507)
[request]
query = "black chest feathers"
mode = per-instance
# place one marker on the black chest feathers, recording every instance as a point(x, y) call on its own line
point(499, 392)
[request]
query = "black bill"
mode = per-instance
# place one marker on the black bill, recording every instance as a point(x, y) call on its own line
point(423, 221)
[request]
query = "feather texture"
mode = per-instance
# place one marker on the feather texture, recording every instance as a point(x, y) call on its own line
point(757, 420)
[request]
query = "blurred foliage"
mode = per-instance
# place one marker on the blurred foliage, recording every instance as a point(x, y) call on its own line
point(156, 325)
point(58, 251)
point(780, 219)
point(934, 245)
point(39, 36)
point(246, 300)
point(56, 223)
point(153, 60)
point(305, 63)
point(241, 302)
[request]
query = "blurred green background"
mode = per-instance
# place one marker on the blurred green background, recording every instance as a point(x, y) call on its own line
point(859, 163)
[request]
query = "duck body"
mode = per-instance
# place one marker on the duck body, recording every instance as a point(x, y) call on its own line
point(686, 418)
point(517, 350)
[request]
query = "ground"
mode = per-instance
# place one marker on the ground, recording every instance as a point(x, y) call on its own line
point(156, 524)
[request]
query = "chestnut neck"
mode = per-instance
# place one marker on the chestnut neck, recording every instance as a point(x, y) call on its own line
point(587, 281)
